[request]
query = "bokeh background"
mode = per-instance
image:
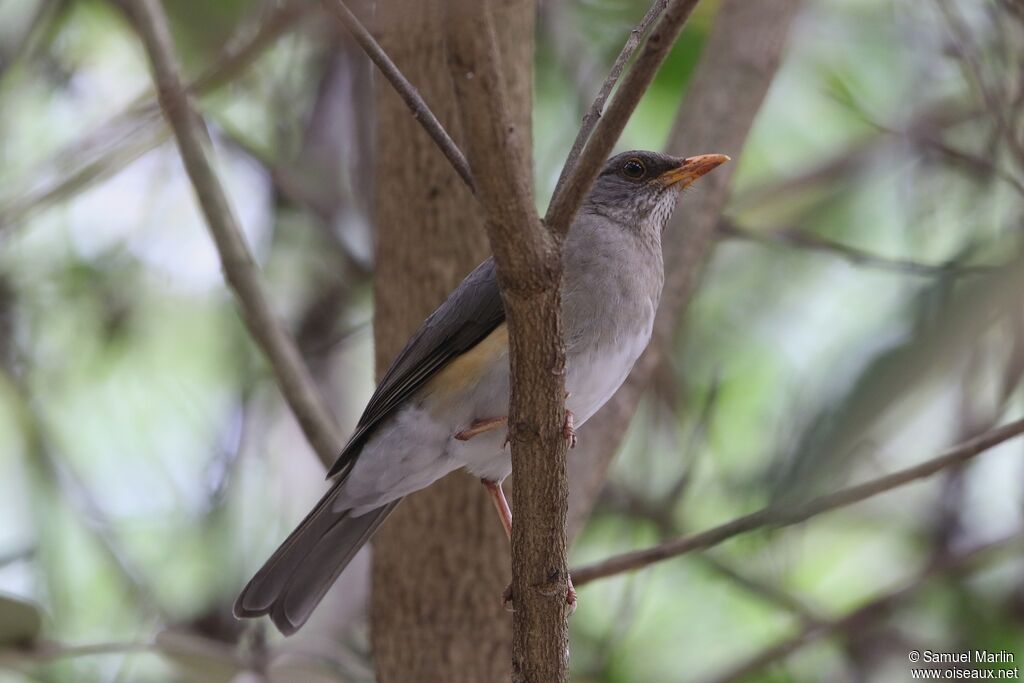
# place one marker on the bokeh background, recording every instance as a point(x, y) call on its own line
point(862, 312)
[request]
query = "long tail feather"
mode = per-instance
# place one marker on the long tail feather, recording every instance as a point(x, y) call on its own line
point(297, 576)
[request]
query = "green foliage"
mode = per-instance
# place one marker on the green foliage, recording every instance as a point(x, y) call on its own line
point(21, 622)
point(799, 366)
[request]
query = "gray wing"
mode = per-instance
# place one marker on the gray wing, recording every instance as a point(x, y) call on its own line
point(468, 315)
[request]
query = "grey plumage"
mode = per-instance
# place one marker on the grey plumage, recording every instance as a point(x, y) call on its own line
point(468, 315)
point(298, 575)
point(405, 439)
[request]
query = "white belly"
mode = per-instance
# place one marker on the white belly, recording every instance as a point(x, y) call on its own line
point(595, 374)
point(417, 445)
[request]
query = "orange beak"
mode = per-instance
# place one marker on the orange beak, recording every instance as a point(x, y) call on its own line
point(692, 168)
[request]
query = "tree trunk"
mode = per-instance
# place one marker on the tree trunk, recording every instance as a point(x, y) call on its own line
point(441, 562)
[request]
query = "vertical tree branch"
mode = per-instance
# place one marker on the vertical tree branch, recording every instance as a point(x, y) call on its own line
point(127, 135)
point(578, 180)
point(240, 269)
point(529, 273)
point(593, 114)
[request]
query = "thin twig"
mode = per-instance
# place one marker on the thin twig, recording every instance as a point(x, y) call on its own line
point(763, 590)
point(575, 56)
point(48, 651)
point(805, 240)
point(237, 58)
point(240, 270)
point(135, 130)
point(46, 12)
point(529, 273)
point(975, 162)
point(593, 115)
point(931, 120)
point(623, 500)
point(811, 633)
point(698, 438)
point(580, 177)
point(776, 517)
point(975, 77)
point(298, 193)
point(69, 485)
point(404, 88)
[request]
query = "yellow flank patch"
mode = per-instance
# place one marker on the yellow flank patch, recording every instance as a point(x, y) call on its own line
point(466, 370)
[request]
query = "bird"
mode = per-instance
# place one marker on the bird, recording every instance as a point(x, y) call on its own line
point(443, 403)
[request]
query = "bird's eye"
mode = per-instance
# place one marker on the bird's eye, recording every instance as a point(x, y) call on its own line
point(633, 169)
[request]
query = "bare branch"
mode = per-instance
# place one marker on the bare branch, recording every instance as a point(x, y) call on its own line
point(240, 269)
point(50, 651)
point(529, 272)
point(975, 163)
point(948, 564)
point(698, 438)
point(593, 114)
point(930, 121)
point(580, 177)
point(45, 13)
point(966, 52)
point(136, 130)
point(277, 20)
point(775, 517)
point(761, 589)
point(575, 56)
point(806, 240)
point(661, 516)
point(68, 485)
point(404, 88)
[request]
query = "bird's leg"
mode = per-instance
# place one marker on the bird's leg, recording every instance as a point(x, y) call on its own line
point(569, 429)
point(486, 424)
point(501, 504)
point(480, 426)
point(498, 498)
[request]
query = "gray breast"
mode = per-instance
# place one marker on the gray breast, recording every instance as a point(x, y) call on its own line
point(612, 284)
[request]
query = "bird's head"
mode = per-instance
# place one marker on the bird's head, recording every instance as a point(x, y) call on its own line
point(640, 188)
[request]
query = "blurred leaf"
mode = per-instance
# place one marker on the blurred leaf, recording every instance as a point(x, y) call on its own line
point(949, 319)
point(20, 621)
point(287, 670)
point(199, 659)
point(203, 27)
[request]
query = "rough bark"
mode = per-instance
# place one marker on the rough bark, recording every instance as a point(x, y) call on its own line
point(529, 268)
point(441, 562)
point(735, 70)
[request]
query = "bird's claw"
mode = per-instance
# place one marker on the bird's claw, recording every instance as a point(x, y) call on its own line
point(569, 429)
point(481, 426)
point(570, 599)
point(506, 599)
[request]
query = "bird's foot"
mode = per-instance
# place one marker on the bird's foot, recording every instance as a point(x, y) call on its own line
point(506, 599)
point(569, 429)
point(570, 599)
point(480, 426)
